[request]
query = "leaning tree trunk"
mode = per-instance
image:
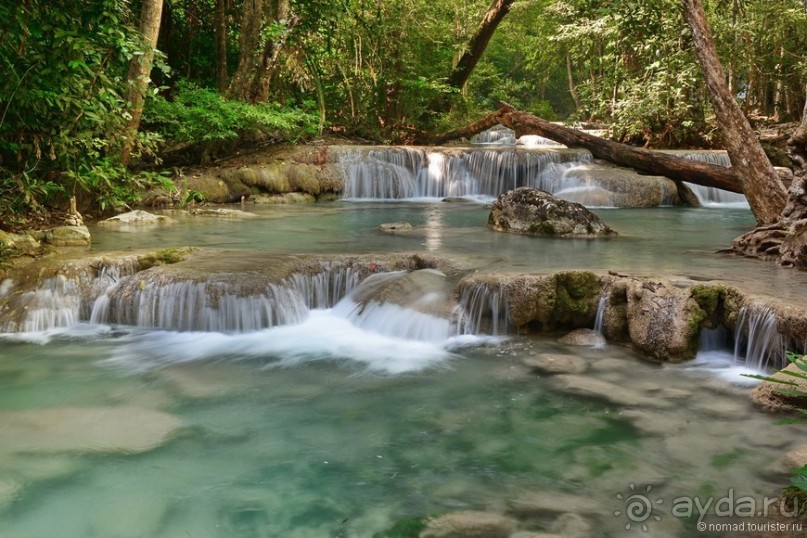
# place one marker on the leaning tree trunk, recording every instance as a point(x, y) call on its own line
point(762, 187)
point(473, 53)
point(139, 70)
point(643, 160)
point(781, 215)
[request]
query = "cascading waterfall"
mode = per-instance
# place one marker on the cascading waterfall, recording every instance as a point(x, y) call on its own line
point(62, 301)
point(711, 196)
point(411, 173)
point(216, 306)
point(482, 308)
point(758, 343)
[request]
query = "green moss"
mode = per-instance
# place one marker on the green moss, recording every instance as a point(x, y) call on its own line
point(708, 297)
point(576, 294)
point(165, 256)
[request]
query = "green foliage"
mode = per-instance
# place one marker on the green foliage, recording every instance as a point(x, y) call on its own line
point(61, 97)
point(202, 115)
point(798, 480)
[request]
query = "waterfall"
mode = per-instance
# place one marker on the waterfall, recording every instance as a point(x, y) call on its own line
point(758, 342)
point(482, 308)
point(410, 173)
point(600, 317)
point(715, 339)
point(535, 140)
point(711, 196)
point(502, 136)
point(63, 300)
point(188, 305)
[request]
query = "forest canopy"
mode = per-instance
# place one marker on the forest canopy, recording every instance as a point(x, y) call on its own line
point(232, 72)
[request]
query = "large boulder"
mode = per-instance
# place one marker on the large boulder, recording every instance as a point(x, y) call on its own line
point(531, 211)
point(664, 321)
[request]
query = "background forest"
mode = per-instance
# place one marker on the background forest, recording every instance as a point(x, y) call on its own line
point(231, 73)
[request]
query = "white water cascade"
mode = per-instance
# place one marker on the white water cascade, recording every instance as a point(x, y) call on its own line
point(426, 173)
point(502, 136)
point(758, 343)
point(188, 305)
point(482, 308)
point(711, 196)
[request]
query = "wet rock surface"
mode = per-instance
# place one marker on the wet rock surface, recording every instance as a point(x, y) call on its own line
point(136, 217)
point(531, 211)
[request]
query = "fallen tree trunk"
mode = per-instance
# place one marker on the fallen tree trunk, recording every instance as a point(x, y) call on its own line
point(642, 160)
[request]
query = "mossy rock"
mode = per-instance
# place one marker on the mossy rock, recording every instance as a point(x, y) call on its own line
point(303, 178)
point(218, 190)
point(273, 178)
point(167, 256)
point(576, 296)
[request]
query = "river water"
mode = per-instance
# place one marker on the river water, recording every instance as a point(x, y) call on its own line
point(325, 428)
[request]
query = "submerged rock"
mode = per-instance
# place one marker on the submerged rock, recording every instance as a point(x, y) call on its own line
point(469, 525)
point(531, 211)
point(604, 390)
point(537, 504)
point(549, 363)
point(86, 429)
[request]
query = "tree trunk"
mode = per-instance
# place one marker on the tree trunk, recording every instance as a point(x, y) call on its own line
point(250, 50)
point(273, 49)
point(578, 105)
point(258, 56)
point(646, 161)
point(221, 46)
point(479, 42)
point(473, 53)
point(139, 70)
point(762, 186)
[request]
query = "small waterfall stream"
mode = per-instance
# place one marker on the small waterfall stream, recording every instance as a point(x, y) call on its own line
point(758, 343)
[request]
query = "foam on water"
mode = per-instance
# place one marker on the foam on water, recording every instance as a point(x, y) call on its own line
point(324, 335)
point(722, 365)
